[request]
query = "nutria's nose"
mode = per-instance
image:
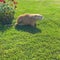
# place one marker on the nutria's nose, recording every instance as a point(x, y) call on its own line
point(42, 17)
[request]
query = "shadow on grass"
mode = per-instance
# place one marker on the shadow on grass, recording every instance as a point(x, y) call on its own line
point(28, 28)
point(3, 28)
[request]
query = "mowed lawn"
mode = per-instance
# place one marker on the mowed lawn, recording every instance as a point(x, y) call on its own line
point(29, 43)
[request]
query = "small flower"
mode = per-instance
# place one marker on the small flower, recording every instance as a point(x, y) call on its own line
point(2, 1)
point(15, 2)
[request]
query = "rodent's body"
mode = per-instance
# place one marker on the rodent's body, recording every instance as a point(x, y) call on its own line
point(28, 19)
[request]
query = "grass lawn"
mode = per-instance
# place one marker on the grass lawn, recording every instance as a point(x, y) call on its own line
point(27, 43)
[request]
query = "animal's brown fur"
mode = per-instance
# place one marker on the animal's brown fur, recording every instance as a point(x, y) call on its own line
point(28, 19)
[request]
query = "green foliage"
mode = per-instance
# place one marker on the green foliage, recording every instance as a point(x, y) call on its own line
point(6, 13)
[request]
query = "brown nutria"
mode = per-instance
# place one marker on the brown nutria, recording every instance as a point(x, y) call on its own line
point(28, 19)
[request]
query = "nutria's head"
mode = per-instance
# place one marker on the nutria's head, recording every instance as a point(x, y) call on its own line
point(38, 17)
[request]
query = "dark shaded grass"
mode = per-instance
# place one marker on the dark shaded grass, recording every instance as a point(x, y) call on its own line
point(3, 28)
point(28, 28)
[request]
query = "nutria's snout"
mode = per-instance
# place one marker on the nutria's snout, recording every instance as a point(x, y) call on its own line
point(41, 17)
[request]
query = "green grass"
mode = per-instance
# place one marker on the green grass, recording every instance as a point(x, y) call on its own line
point(27, 43)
